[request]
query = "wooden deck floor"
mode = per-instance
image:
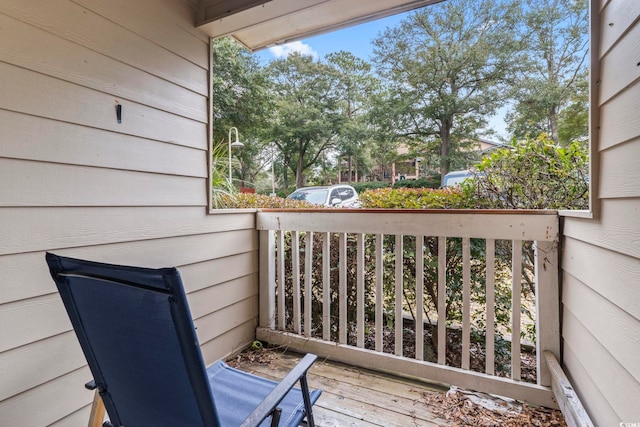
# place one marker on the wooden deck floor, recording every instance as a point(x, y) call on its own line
point(353, 396)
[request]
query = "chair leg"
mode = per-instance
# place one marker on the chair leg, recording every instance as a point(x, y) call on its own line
point(97, 411)
point(275, 417)
point(307, 400)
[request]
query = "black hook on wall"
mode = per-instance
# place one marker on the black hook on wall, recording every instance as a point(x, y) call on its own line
point(118, 112)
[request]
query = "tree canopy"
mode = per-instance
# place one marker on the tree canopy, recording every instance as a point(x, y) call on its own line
point(446, 68)
point(432, 85)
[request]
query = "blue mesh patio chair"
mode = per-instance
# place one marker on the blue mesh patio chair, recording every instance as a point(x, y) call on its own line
point(137, 334)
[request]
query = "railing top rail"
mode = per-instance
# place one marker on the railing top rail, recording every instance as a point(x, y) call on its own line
point(483, 224)
point(419, 211)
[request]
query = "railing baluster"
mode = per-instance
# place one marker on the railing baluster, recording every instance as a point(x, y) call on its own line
point(308, 268)
point(342, 295)
point(360, 290)
point(295, 275)
point(515, 310)
point(379, 290)
point(491, 295)
point(442, 300)
point(326, 287)
point(399, 287)
point(267, 279)
point(419, 297)
point(547, 307)
point(281, 280)
point(466, 302)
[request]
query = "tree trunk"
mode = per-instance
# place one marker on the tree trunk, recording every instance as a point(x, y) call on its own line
point(445, 149)
point(553, 124)
point(350, 169)
point(299, 173)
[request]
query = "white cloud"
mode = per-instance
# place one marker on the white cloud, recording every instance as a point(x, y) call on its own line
point(284, 50)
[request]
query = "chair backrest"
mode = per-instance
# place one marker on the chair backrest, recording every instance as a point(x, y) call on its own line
point(136, 331)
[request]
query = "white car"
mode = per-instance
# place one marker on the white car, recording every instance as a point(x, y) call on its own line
point(343, 196)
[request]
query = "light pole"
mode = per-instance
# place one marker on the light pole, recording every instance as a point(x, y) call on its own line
point(273, 174)
point(236, 144)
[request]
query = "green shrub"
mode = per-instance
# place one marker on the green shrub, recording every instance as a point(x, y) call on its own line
point(534, 174)
point(430, 182)
point(417, 198)
point(255, 201)
point(361, 187)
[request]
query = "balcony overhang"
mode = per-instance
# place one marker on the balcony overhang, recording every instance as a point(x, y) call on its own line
point(258, 24)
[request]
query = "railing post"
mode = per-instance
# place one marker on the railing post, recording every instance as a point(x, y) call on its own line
point(548, 306)
point(267, 280)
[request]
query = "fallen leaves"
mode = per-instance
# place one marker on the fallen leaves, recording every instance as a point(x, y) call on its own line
point(465, 408)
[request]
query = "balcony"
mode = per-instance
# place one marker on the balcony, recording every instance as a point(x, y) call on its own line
point(334, 282)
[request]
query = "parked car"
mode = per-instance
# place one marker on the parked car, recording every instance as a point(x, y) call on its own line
point(455, 178)
point(344, 196)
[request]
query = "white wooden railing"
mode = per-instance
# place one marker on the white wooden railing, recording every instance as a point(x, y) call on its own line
point(288, 296)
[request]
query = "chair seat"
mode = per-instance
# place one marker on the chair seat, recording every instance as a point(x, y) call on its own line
point(237, 393)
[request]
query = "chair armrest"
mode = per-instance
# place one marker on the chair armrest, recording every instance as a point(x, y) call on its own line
point(272, 400)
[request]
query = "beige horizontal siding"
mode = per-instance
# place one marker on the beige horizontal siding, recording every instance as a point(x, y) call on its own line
point(73, 144)
point(616, 19)
point(37, 94)
point(84, 27)
point(49, 402)
point(75, 182)
point(601, 256)
point(81, 226)
point(619, 118)
point(49, 54)
point(596, 402)
point(75, 419)
point(584, 262)
point(618, 388)
point(229, 342)
point(27, 266)
point(52, 184)
point(180, 38)
point(623, 177)
point(600, 317)
point(616, 230)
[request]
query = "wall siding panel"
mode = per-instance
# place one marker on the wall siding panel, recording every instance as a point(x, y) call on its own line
point(88, 186)
point(75, 182)
point(616, 19)
point(49, 54)
point(180, 38)
point(20, 372)
point(48, 402)
point(88, 29)
point(624, 179)
point(618, 388)
point(619, 118)
point(80, 145)
point(616, 230)
point(37, 94)
point(601, 256)
point(587, 389)
point(78, 226)
point(620, 63)
point(584, 262)
point(600, 317)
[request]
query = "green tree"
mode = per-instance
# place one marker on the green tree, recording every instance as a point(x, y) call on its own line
point(446, 67)
point(307, 116)
point(551, 89)
point(355, 85)
point(241, 98)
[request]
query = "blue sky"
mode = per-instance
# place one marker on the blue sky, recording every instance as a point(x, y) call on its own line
point(357, 40)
